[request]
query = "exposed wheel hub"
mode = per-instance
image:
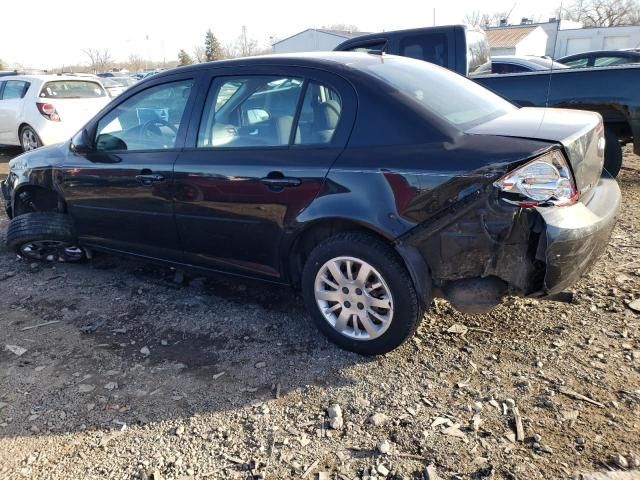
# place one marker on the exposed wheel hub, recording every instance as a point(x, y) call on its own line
point(51, 251)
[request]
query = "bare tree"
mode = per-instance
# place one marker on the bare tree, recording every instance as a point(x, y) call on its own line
point(100, 60)
point(246, 46)
point(603, 13)
point(199, 54)
point(480, 19)
point(342, 27)
point(1, 65)
point(135, 63)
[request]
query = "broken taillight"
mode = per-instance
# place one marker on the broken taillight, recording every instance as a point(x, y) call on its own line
point(545, 180)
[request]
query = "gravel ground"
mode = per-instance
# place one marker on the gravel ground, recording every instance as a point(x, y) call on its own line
point(117, 369)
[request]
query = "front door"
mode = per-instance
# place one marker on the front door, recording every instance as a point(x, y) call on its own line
point(262, 149)
point(120, 194)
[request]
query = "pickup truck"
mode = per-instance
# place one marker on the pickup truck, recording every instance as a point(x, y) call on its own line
point(611, 91)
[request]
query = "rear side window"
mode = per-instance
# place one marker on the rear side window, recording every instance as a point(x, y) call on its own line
point(72, 89)
point(431, 48)
point(319, 116)
point(251, 111)
point(610, 61)
point(15, 89)
point(457, 100)
point(508, 68)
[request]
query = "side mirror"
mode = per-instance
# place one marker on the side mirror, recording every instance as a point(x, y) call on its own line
point(81, 143)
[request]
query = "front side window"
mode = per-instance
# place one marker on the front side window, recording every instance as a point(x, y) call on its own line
point(150, 120)
point(430, 48)
point(15, 89)
point(319, 115)
point(249, 111)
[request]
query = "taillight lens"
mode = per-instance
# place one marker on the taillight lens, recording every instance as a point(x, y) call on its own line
point(48, 111)
point(545, 180)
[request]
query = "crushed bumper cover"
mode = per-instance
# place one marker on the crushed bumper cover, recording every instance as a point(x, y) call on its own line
point(534, 252)
point(576, 236)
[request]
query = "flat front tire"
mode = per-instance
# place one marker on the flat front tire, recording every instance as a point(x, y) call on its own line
point(44, 237)
point(359, 294)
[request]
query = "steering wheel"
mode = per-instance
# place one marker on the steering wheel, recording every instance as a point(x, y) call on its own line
point(152, 128)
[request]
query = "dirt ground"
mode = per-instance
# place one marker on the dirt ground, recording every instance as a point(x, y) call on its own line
point(117, 369)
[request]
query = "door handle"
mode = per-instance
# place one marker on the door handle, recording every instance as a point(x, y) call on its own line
point(149, 178)
point(280, 181)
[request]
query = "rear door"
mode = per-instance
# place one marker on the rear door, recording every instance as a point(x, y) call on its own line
point(11, 104)
point(120, 194)
point(260, 147)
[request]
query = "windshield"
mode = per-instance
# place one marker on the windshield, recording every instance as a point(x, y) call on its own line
point(459, 101)
point(72, 89)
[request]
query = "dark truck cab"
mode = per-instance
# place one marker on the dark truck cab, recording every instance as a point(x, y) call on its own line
point(460, 48)
point(610, 91)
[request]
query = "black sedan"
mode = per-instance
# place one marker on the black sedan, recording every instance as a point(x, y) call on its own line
point(369, 181)
point(601, 58)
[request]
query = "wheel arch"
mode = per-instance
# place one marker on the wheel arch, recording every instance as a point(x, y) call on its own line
point(300, 244)
point(29, 198)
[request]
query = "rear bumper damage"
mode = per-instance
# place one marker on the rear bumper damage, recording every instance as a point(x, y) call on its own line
point(484, 248)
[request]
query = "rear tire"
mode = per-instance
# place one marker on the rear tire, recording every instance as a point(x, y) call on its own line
point(612, 153)
point(29, 139)
point(357, 298)
point(45, 237)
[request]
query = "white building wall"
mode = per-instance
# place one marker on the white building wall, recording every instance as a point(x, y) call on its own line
point(502, 51)
point(308, 41)
point(552, 28)
point(597, 38)
point(533, 44)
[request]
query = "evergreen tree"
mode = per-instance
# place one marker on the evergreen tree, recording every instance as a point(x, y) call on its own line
point(184, 58)
point(212, 47)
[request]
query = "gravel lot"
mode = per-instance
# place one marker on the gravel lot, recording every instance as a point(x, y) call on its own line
point(117, 369)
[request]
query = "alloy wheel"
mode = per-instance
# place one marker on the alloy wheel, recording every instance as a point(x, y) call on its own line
point(29, 140)
point(354, 298)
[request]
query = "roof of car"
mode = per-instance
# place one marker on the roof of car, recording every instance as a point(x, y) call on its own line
point(317, 59)
point(629, 52)
point(51, 77)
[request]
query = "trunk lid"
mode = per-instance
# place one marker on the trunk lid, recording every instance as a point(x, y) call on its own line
point(580, 133)
point(75, 112)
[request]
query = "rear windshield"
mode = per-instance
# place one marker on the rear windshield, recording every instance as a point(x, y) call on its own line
point(72, 89)
point(446, 94)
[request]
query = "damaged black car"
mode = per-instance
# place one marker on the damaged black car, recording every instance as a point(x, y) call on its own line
point(373, 183)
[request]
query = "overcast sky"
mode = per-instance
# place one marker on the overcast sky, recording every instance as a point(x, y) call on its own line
point(49, 34)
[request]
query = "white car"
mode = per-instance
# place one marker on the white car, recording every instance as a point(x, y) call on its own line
point(37, 110)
